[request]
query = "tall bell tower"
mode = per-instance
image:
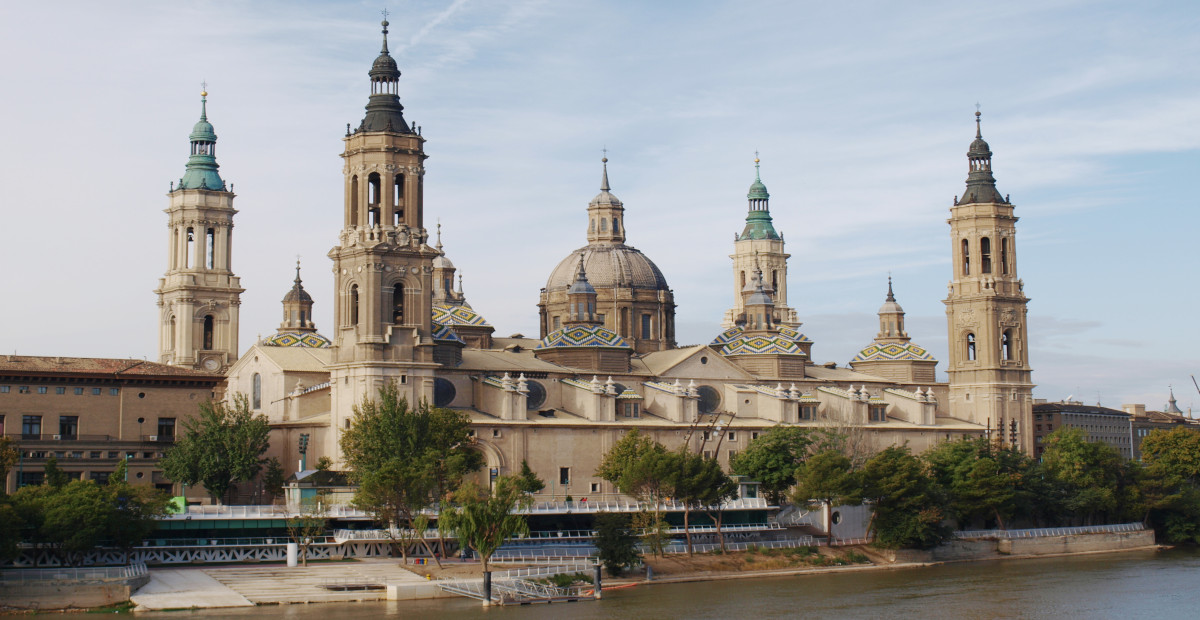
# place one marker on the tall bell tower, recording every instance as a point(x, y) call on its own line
point(986, 314)
point(383, 267)
point(759, 247)
point(199, 297)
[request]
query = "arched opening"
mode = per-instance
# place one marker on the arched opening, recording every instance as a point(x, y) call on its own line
point(208, 332)
point(616, 226)
point(971, 347)
point(1004, 256)
point(354, 304)
point(398, 304)
point(175, 249)
point(966, 257)
point(985, 254)
point(256, 392)
point(354, 200)
point(592, 226)
point(1006, 344)
point(743, 279)
point(171, 334)
point(398, 200)
point(210, 246)
point(303, 323)
point(189, 251)
point(374, 193)
point(774, 279)
point(603, 225)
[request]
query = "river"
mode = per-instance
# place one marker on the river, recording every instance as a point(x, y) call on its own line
point(1137, 584)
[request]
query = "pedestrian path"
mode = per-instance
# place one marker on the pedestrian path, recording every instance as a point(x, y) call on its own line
point(185, 588)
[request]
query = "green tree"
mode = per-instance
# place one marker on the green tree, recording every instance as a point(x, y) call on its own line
point(76, 518)
point(54, 476)
point(985, 480)
point(1167, 484)
point(694, 481)
point(616, 544)
point(639, 467)
point(483, 519)
point(907, 503)
point(8, 458)
point(10, 530)
point(529, 481)
point(1175, 452)
point(773, 459)
point(403, 458)
point(1089, 476)
point(324, 463)
point(273, 478)
point(136, 510)
point(221, 447)
point(827, 478)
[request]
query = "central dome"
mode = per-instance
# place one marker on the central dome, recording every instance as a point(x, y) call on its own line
point(608, 266)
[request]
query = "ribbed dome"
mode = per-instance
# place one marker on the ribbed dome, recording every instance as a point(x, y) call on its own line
point(758, 191)
point(441, 262)
point(609, 265)
point(203, 132)
point(385, 66)
point(297, 294)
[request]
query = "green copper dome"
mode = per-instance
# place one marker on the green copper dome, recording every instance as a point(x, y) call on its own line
point(201, 172)
point(758, 220)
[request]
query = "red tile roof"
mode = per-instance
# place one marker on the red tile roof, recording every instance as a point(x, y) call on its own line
point(46, 365)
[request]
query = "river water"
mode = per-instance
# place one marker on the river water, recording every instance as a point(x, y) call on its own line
point(1138, 584)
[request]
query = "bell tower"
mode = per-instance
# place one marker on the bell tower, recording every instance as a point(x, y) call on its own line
point(759, 247)
point(383, 267)
point(986, 314)
point(199, 297)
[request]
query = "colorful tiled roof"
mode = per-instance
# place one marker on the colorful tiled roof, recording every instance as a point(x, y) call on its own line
point(298, 339)
point(443, 333)
point(761, 345)
point(458, 315)
point(735, 333)
point(892, 352)
point(583, 336)
point(629, 394)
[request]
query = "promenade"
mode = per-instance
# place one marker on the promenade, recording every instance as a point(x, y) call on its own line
point(245, 586)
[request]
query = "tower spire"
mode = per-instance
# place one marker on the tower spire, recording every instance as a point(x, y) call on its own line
point(890, 296)
point(384, 112)
point(604, 176)
point(201, 170)
point(758, 216)
point(981, 185)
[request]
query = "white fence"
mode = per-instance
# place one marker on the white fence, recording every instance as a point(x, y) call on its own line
point(12, 577)
point(1051, 531)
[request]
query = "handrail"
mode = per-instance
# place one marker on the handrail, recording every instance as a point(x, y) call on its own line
point(17, 576)
point(1051, 531)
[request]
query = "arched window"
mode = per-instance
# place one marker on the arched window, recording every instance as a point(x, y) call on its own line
point(256, 392)
point(398, 304)
point(774, 279)
point(210, 246)
point(354, 304)
point(743, 279)
point(592, 226)
point(971, 347)
point(616, 226)
point(1006, 344)
point(374, 191)
point(1004, 256)
point(171, 334)
point(398, 197)
point(189, 252)
point(302, 321)
point(985, 254)
point(603, 225)
point(354, 200)
point(208, 332)
point(966, 257)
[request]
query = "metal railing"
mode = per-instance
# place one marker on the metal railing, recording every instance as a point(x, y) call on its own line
point(230, 542)
point(806, 541)
point(18, 576)
point(1051, 531)
point(393, 534)
point(545, 571)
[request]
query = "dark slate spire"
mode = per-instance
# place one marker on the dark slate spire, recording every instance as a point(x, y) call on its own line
point(384, 112)
point(202, 165)
point(981, 185)
point(758, 218)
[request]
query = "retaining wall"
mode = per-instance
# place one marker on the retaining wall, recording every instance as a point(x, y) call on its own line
point(988, 549)
point(70, 595)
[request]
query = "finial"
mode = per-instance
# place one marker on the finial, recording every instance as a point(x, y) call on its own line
point(756, 177)
point(582, 273)
point(604, 180)
point(204, 100)
point(439, 235)
point(384, 23)
point(890, 296)
point(978, 133)
point(297, 269)
point(460, 284)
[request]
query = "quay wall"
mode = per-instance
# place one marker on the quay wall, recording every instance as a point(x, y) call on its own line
point(988, 549)
point(70, 594)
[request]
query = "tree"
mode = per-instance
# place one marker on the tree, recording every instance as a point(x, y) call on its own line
point(907, 503)
point(529, 481)
point(616, 544)
point(403, 458)
point(220, 447)
point(324, 463)
point(136, 510)
point(639, 467)
point(827, 478)
point(773, 459)
point(8, 458)
point(76, 517)
point(54, 476)
point(1167, 484)
point(482, 519)
point(1089, 475)
point(984, 479)
point(1175, 452)
point(10, 530)
point(695, 482)
point(273, 478)
point(308, 523)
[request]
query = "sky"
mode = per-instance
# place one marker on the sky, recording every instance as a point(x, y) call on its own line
point(861, 112)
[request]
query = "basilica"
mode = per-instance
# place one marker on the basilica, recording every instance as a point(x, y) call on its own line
point(605, 360)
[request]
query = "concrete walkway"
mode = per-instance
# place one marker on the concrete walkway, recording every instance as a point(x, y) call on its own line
point(183, 588)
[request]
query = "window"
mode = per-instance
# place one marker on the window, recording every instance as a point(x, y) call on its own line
point(114, 391)
point(398, 199)
point(354, 304)
point(645, 326)
point(42, 389)
point(808, 412)
point(557, 324)
point(24, 389)
point(30, 478)
point(495, 432)
point(707, 454)
point(94, 454)
point(398, 304)
point(595, 487)
point(60, 390)
point(966, 257)
point(732, 435)
point(78, 391)
point(96, 391)
point(189, 254)
point(209, 245)
point(166, 429)
point(1004, 256)
point(1006, 344)
point(256, 392)
point(68, 427)
point(971, 347)
point(564, 475)
point(113, 455)
point(208, 332)
point(31, 427)
point(877, 414)
point(753, 435)
point(354, 200)
point(985, 254)
point(732, 454)
point(633, 410)
point(707, 436)
point(4, 389)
